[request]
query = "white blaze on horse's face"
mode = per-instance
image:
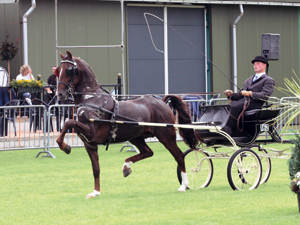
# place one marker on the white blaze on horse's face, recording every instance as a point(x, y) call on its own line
point(60, 71)
point(62, 90)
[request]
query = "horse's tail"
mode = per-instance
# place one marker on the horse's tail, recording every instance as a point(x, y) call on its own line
point(188, 135)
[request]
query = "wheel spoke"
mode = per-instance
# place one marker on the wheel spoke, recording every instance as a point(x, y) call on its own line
point(244, 170)
point(199, 169)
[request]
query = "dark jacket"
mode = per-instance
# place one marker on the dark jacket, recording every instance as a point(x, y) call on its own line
point(51, 79)
point(261, 89)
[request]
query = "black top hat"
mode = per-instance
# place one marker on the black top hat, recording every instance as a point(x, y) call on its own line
point(260, 58)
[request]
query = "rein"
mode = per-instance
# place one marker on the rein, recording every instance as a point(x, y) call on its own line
point(242, 114)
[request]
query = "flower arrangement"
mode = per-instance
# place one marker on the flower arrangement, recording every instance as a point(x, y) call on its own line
point(294, 165)
point(27, 83)
point(295, 184)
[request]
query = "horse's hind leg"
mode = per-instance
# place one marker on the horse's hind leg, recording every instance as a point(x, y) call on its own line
point(168, 139)
point(92, 151)
point(145, 152)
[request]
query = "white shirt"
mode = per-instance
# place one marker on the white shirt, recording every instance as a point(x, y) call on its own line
point(27, 77)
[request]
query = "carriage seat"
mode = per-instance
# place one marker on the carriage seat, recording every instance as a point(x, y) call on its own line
point(254, 118)
point(263, 114)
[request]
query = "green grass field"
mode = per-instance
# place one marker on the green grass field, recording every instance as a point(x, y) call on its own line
point(52, 191)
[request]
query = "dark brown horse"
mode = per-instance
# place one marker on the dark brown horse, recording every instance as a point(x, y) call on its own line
point(77, 78)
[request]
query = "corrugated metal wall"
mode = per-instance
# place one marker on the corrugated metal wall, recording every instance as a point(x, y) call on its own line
point(79, 23)
point(99, 22)
point(256, 20)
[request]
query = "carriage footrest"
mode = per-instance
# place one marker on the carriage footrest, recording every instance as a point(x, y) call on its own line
point(242, 139)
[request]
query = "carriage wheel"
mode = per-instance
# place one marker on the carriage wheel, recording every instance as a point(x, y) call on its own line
point(199, 170)
point(266, 167)
point(244, 170)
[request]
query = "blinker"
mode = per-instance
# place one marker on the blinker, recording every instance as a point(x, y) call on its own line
point(57, 72)
point(70, 71)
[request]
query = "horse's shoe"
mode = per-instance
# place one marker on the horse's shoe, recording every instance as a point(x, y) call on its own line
point(67, 149)
point(127, 172)
point(93, 194)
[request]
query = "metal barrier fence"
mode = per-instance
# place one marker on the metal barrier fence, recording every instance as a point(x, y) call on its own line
point(294, 127)
point(18, 130)
point(25, 127)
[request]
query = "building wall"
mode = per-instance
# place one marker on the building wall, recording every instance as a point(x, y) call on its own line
point(255, 21)
point(99, 23)
point(10, 25)
point(79, 23)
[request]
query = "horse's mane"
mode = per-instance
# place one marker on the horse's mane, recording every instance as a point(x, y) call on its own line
point(85, 63)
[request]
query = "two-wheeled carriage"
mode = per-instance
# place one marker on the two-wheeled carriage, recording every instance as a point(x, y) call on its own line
point(98, 115)
point(249, 162)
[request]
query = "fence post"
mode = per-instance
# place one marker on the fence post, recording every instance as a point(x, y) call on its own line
point(119, 85)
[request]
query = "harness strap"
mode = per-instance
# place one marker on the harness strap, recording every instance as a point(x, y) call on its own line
point(241, 116)
point(114, 115)
point(114, 126)
point(103, 110)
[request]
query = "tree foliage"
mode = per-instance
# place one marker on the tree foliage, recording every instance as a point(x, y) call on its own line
point(9, 49)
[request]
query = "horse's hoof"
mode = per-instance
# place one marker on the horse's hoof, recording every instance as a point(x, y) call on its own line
point(93, 194)
point(182, 188)
point(67, 149)
point(127, 172)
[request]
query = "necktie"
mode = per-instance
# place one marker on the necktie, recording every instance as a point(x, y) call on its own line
point(255, 78)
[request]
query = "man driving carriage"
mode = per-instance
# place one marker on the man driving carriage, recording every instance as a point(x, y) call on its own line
point(256, 90)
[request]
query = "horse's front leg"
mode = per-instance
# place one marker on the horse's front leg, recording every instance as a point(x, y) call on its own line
point(92, 151)
point(79, 128)
point(60, 140)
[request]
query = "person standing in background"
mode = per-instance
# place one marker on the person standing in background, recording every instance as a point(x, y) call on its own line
point(51, 90)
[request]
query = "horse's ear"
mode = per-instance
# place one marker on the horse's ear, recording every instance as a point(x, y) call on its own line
point(61, 55)
point(69, 54)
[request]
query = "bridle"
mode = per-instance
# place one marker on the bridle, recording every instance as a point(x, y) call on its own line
point(71, 71)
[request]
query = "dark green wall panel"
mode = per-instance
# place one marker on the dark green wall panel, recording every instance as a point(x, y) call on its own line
point(255, 21)
point(10, 24)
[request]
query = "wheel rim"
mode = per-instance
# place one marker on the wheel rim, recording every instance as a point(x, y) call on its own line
point(199, 170)
point(245, 171)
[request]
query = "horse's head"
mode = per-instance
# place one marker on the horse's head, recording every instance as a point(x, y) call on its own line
point(68, 76)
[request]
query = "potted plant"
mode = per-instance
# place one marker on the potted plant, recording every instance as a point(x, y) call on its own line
point(294, 168)
point(291, 111)
point(8, 52)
